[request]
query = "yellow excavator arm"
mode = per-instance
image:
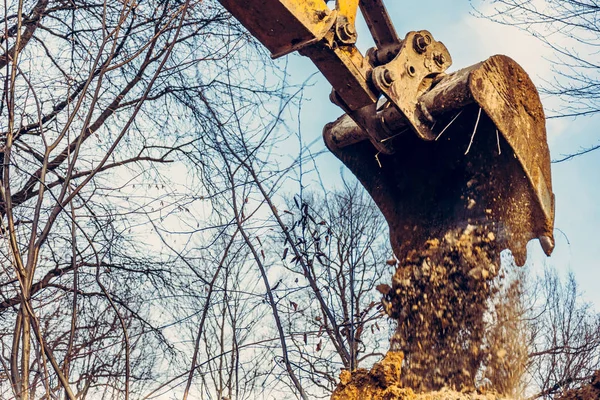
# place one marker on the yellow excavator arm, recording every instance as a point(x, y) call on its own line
point(477, 153)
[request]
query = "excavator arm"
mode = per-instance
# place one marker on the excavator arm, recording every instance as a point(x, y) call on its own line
point(478, 151)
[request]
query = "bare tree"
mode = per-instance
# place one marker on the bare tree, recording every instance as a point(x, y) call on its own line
point(570, 28)
point(102, 104)
point(335, 249)
point(319, 258)
point(565, 337)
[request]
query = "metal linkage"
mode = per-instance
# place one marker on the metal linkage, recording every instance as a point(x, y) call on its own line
point(420, 184)
point(411, 73)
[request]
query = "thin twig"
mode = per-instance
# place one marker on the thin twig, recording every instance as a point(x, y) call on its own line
point(474, 131)
point(579, 153)
point(498, 141)
point(448, 126)
point(391, 137)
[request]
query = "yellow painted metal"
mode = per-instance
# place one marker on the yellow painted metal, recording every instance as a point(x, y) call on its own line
point(347, 9)
point(410, 74)
point(283, 26)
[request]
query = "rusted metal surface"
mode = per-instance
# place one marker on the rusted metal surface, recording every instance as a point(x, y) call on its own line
point(384, 34)
point(477, 152)
point(427, 187)
point(347, 71)
point(510, 100)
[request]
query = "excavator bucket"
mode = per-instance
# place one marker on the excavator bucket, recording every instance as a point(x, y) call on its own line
point(444, 151)
point(489, 163)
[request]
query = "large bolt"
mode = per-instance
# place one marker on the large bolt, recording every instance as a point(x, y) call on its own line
point(323, 14)
point(388, 78)
point(350, 29)
point(347, 33)
point(439, 58)
point(421, 42)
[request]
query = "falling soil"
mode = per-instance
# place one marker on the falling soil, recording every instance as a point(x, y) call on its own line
point(440, 297)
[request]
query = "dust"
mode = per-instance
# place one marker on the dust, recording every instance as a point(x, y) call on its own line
point(506, 337)
point(459, 332)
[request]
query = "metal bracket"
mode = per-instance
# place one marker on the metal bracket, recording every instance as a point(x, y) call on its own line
point(410, 74)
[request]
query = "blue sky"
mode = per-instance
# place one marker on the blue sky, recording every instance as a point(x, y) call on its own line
point(469, 39)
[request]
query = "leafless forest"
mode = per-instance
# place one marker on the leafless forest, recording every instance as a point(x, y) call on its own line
point(160, 238)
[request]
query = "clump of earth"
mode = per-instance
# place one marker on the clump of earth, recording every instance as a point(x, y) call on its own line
point(383, 382)
point(441, 296)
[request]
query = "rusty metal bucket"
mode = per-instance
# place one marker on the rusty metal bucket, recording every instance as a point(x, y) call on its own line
point(490, 163)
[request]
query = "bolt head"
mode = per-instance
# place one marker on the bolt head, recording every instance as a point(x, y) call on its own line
point(323, 14)
point(346, 33)
point(421, 42)
point(439, 58)
point(388, 77)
